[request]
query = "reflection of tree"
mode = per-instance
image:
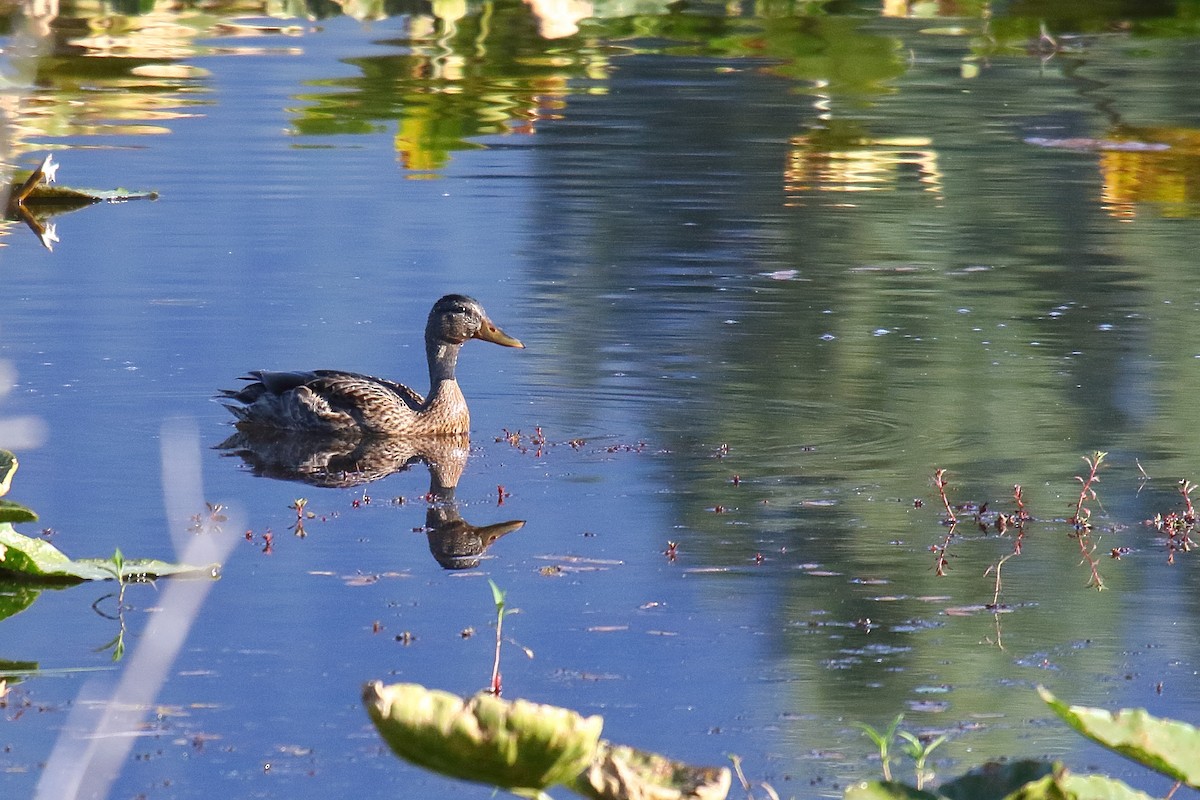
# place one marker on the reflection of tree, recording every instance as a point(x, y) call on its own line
point(462, 71)
point(1167, 176)
point(910, 334)
point(454, 79)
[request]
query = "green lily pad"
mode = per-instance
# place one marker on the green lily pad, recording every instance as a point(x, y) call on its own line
point(528, 747)
point(8, 467)
point(36, 560)
point(994, 781)
point(15, 598)
point(1168, 746)
point(885, 790)
point(991, 781)
point(15, 512)
point(1019, 780)
point(66, 198)
point(522, 746)
point(14, 672)
point(1100, 787)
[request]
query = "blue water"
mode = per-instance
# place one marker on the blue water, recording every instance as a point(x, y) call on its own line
point(725, 350)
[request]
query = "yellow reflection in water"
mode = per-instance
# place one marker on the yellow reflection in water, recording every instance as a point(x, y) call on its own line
point(859, 165)
point(1162, 171)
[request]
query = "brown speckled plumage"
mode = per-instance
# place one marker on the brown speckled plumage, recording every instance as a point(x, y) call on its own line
point(333, 402)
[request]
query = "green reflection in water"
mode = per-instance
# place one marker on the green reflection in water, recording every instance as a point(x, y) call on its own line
point(947, 319)
point(456, 78)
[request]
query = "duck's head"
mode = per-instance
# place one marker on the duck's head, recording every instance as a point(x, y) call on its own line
point(456, 318)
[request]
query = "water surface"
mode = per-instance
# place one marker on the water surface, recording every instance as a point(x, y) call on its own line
point(772, 270)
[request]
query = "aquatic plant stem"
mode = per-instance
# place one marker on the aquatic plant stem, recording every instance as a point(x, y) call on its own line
point(498, 595)
point(883, 740)
point(1087, 490)
point(1186, 488)
point(1087, 549)
point(1083, 514)
point(1019, 496)
point(941, 563)
point(996, 569)
point(939, 480)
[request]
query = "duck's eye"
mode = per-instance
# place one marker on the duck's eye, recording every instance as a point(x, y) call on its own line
point(460, 309)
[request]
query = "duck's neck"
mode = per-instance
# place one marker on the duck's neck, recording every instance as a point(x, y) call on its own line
point(443, 359)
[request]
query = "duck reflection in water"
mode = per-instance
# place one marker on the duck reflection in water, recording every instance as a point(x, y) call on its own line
point(337, 462)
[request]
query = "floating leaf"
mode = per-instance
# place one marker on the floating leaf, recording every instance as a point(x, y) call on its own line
point(65, 198)
point(994, 781)
point(1020, 780)
point(33, 201)
point(528, 747)
point(516, 745)
point(16, 669)
point(885, 790)
point(1100, 787)
point(1171, 747)
point(15, 512)
point(8, 467)
point(34, 189)
point(625, 773)
point(39, 561)
point(15, 598)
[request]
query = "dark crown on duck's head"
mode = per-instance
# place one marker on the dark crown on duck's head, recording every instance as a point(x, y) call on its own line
point(456, 318)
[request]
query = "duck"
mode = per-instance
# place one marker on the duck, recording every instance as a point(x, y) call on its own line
point(332, 402)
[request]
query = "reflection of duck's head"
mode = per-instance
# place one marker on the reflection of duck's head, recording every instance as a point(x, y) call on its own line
point(341, 462)
point(456, 543)
point(331, 401)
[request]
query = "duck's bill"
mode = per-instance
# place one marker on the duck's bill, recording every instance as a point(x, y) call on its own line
point(491, 333)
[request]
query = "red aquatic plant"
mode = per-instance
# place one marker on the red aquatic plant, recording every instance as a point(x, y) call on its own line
point(940, 481)
point(1087, 490)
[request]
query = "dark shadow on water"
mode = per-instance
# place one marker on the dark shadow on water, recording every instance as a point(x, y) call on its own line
point(338, 463)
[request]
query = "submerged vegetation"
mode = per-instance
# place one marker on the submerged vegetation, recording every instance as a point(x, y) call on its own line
point(1176, 526)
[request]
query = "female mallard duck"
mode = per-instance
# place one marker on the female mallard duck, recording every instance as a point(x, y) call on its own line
point(332, 402)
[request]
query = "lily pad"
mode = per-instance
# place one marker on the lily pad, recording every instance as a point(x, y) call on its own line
point(36, 560)
point(15, 512)
point(1099, 787)
point(1019, 780)
point(10, 511)
point(66, 198)
point(528, 747)
point(1167, 746)
point(33, 188)
point(8, 467)
point(16, 669)
point(886, 790)
point(516, 745)
point(32, 200)
point(994, 781)
point(16, 597)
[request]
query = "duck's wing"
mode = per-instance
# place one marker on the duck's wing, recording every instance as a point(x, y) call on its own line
point(261, 382)
point(323, 400)
point(353, 391)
